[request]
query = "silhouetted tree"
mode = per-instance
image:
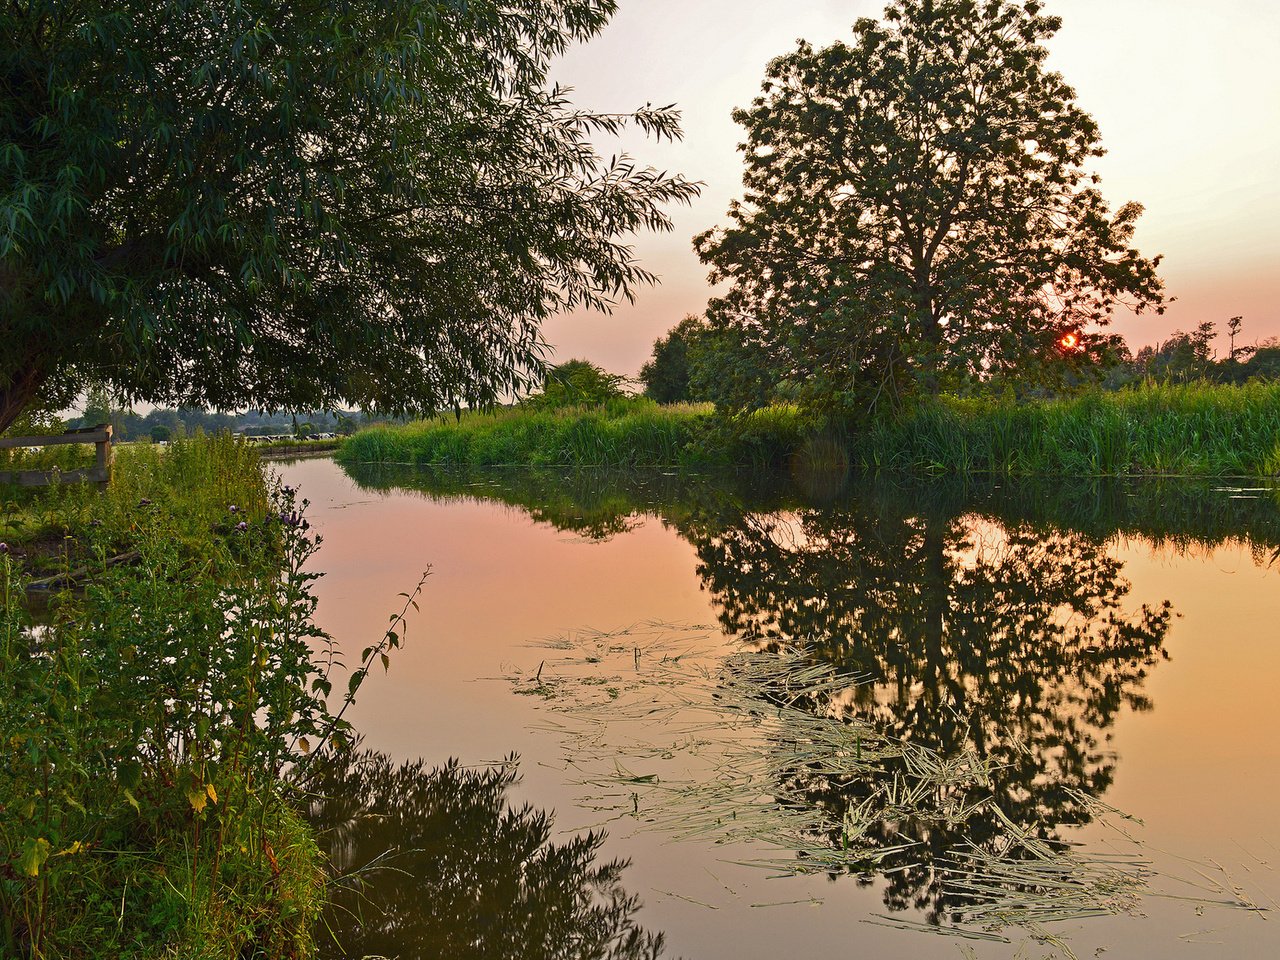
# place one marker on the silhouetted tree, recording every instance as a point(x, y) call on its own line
point(918, 210)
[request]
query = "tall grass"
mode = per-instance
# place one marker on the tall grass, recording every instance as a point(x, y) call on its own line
point(624, 433)
point(150, 718)
point(1186, 430)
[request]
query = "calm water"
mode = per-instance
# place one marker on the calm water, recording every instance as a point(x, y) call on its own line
point(815, 716)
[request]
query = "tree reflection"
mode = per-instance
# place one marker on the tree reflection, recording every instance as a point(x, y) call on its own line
point(438, 864)
point(1009, 641)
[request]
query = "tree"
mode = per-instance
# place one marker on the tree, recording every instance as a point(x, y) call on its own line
point(577, 383)
point(918, 214)
point(666, 376)
point(283, 205)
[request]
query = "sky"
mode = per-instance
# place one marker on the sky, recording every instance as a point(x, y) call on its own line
point(1186, 94)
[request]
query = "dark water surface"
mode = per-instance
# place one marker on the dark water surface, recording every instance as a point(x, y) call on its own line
point(816, 716)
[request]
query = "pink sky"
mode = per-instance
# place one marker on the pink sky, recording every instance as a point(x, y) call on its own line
point(1187, 96)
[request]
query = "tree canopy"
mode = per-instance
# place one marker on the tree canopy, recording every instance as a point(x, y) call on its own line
point(919, 213)
point(303, 204)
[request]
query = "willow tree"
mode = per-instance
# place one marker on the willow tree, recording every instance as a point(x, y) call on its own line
point(919, 210)
point(303, 204)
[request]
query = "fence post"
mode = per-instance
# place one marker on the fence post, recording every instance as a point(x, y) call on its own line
point(103, 453)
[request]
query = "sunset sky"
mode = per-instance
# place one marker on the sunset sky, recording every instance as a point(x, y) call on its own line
point(1187, 96)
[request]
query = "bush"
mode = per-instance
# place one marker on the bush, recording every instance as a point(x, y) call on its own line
point(149, 721)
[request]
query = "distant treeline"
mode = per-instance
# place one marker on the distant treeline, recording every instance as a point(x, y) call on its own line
point(696, 363)
point(164, 424)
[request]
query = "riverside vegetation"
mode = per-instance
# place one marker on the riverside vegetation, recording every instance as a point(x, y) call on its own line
point(156, 710)
point(1195, 429)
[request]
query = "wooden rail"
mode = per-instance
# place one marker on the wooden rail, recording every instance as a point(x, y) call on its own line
point(99, 473)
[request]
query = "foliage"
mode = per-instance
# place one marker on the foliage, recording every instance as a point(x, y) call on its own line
point(918, 215)
point(577, 383)
point(1193, 430)
point(439, 862)
point(280, 205)
point(666, 374)
point(150, 717)
point(1187, 357)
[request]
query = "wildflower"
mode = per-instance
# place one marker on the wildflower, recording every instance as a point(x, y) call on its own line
point(144, 502)
point(233, 509)
point(242, 526)
point(4, 548)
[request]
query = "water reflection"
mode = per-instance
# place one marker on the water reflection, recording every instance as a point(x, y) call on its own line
point(437, 863)
point(1012, 642)
point(979, 620)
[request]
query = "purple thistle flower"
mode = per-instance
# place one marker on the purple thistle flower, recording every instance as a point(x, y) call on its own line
point(233, 509)
point(4, 548)
point(242, 526)
point(144, 502)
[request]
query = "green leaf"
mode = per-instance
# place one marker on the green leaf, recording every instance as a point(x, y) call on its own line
point(35, 851)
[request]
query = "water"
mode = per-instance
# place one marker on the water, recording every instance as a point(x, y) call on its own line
point(1070, 684)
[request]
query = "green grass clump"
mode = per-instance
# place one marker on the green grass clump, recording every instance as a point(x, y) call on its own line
point(150, 713)
point(1174, 430)
point(621, 433)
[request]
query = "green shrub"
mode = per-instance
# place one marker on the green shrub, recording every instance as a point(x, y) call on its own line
point(149, 721)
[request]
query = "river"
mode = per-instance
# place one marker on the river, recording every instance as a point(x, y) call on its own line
point(810, 715)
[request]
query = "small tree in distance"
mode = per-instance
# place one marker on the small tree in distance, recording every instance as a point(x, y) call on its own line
point(918, 212)
point(578, 383)
point(666, 374)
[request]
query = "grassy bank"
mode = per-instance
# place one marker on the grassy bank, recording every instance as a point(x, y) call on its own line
point(621, 433)
point(151, 700)
point(1192, 430)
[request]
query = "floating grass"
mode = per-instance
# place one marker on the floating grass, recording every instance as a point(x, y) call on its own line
point(727, 748)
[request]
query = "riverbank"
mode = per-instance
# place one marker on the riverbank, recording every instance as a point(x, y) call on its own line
point(151, 705)
point(620, 433)
point(1193, 430)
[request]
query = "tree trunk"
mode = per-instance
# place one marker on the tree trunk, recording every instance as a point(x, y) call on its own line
point(930, 361)
point(18, 394)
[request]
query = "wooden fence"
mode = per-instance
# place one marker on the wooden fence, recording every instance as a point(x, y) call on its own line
point(99, 473)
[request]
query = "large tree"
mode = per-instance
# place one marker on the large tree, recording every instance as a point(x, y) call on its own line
point(919, 211)
point(301, 204)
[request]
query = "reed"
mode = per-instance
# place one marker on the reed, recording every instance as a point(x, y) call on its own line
point(1197, 429)
point(1201, 430)
point(620, 433)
